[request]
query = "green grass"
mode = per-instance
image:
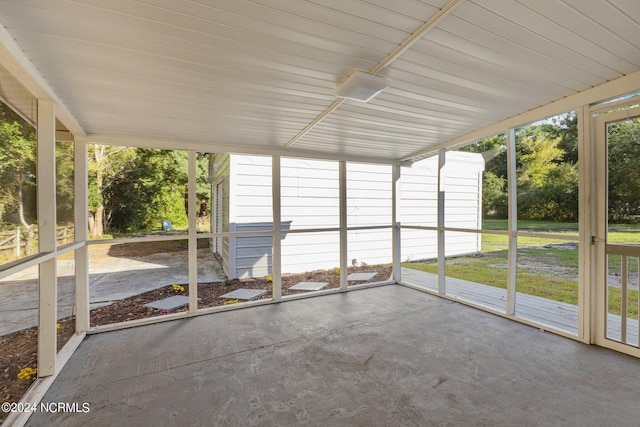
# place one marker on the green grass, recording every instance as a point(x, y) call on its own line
point(618, 233)
point(615, 302)
point(614, 264)
point(624, 233)
point(490, 268)
point(501, 224)
point(560, 257)
point(492, 271)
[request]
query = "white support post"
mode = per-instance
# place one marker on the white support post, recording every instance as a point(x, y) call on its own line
point(479, 213)
point(395, 233)
point(276, 256)
point(586, 228)
point(442, 160)
point(46, 194)
point(81, 232)
point(512, 262)
point(233, 251)
point(192, 217)
point(343, 224)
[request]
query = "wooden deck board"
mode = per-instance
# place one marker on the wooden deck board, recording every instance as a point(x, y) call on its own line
point(549, 313)
point(545, 312)
point(614, 329)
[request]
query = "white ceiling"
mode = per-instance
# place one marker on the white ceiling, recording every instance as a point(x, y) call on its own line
point(252, 75)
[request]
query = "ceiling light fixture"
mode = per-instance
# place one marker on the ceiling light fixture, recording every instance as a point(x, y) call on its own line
point(361, 86)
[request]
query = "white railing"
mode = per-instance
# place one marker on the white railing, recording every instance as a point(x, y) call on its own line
point(627, 253)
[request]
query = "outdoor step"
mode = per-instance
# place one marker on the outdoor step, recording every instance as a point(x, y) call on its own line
point(169, 303)
point(309, 286)
point(361, 277)
point(244, 294)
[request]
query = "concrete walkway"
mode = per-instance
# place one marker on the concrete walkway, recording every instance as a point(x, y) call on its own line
point(386, 356)
point(110, 279)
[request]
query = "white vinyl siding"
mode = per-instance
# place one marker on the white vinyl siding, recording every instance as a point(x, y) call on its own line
point(251, 210)
point(221, 180)
point(310, 200)
point(462, 176)
point(309, 193)
point(463, 201)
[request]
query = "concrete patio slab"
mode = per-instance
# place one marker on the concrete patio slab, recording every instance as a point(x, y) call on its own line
point(355, 358)
point(309, 286)
point(361, 277)
point(169, 303)
point(244, 294)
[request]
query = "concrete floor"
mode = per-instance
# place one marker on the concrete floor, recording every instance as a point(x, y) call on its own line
point(387, 356)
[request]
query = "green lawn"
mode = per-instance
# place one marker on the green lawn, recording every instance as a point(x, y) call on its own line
point(490, 269)
point(550, 226)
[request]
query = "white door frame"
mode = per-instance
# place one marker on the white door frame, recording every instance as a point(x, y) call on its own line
point(599, 240)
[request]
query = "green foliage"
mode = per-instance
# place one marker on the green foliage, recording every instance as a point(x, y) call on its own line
point(565, 127)
point(546, 171)
point(547, 185)
point(494, 183)
point(134, 189)
point(150, 186)
point(64, 182)
point(494, 195)
point(106, 164)
point(17, 168)
point(536, 156)
point(624, 173)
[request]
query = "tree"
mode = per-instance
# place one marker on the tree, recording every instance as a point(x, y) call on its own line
point(106, 163)
point(547, 185)
point(494, 179)
point(565, 127)
point(546, 171)
point(65, 190)
point(134, 189)
point(151, 188)
point(623, 141)
point(17, 172)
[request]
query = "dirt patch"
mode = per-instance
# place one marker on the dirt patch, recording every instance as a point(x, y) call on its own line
point(209, 293)
point(18, 350)
point(544, 267)
point(615, 280)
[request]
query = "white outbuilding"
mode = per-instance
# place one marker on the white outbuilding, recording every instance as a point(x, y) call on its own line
point(241, 187)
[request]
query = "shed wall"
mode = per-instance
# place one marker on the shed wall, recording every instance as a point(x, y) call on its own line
point(310, 199)
point(220, 181)
point(462, 181)
point(251, 210)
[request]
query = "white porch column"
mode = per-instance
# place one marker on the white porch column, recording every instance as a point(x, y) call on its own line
point(586, 228)
point(512, 222)
point(81, 233)
point(342, 179)
point(46, 195)
point(192, 217)
point(442, 160)
point(395, 234)
point(276, 257)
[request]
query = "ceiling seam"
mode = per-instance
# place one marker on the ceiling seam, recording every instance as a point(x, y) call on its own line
point(388, 60)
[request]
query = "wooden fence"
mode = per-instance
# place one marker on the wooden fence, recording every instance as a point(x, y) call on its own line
point(14, 242)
